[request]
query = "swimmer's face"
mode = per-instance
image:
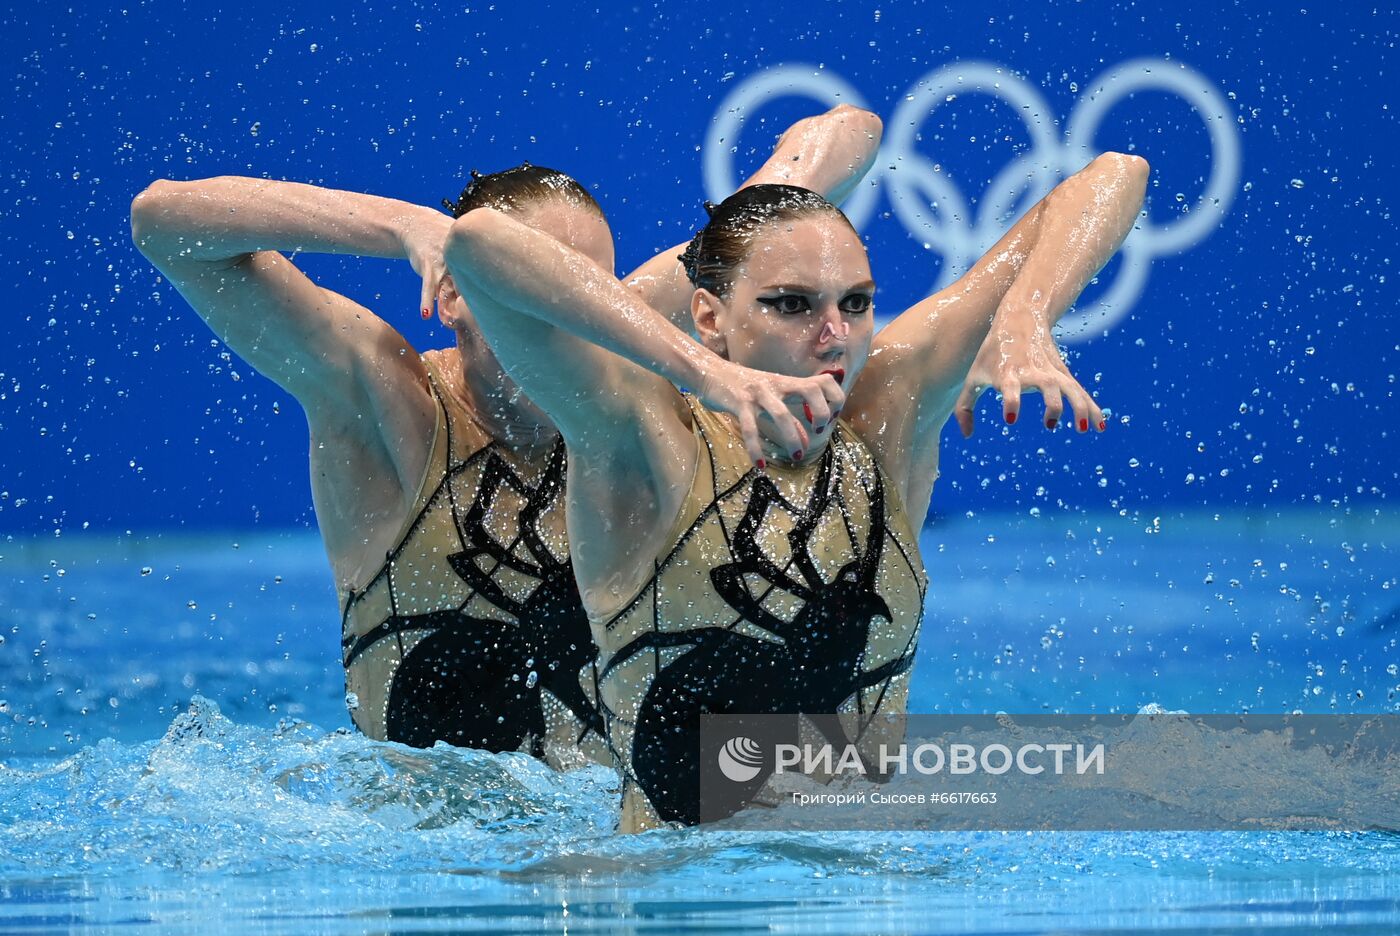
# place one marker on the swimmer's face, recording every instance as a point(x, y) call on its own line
point(801, 302)
point(578, 227)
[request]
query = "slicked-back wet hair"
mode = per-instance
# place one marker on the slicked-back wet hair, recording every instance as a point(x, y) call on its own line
point(724, 243)
point(520, 187)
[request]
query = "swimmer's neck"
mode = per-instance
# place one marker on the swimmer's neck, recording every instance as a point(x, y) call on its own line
point(509, 424)
point(515, 424)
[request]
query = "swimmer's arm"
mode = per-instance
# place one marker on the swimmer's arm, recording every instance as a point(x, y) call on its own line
point(1084, 222)
point(991, 328)
point(227, 217)
point(828, 153)
point(592, 353)
point(219, 241)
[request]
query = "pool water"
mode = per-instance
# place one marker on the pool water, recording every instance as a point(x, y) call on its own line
point(175, 753)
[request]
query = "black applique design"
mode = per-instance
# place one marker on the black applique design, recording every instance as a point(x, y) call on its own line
point(467, 682)
point(816, 667)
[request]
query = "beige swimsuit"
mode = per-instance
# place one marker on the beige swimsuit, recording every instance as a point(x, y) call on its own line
point(472, 632)
point(798, 590)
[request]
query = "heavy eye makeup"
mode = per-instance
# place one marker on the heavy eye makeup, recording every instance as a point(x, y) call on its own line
point(786, 303)
point(856, 303)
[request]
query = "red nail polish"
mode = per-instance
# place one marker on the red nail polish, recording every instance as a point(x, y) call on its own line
point(762, 464)
point(807, 411)
point(797, 455)
point(1010, 418)
point(426, 313)
point(1051, 423)
point(1103, 424)
point(1083, 425)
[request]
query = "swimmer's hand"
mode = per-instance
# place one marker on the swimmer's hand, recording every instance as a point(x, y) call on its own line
point(1019, 354)
point(423, 236)
point(751, 395)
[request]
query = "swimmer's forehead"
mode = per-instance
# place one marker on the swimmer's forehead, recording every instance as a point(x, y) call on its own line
point(819, 253)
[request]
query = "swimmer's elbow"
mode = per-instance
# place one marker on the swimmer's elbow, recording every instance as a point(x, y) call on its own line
point(856, 123)
point(1126, 162)
point(150, 211)
point(469, 237)
point(869, 122)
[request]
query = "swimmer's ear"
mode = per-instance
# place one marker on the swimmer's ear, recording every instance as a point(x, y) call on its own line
point(707, 310)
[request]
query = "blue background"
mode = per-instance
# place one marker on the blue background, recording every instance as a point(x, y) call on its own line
point(1261, 360)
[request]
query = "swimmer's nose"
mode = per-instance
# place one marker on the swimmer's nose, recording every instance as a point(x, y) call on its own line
point(833, 332)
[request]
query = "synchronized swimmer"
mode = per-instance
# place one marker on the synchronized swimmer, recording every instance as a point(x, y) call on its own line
point(438, 485)
point(749, 546)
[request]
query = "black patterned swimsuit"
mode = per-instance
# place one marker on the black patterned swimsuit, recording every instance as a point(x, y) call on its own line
point(798, 590)
point(473, 632)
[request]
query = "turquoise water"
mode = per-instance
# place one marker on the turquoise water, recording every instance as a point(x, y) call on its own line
point(174, 756)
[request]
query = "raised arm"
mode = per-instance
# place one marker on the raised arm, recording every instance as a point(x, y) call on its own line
point(362, 386)
point(591, 352)
point(220, 242)
point(828, 153)
point(991, 328)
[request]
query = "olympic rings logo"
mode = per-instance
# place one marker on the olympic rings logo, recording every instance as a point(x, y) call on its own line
point(931, 207)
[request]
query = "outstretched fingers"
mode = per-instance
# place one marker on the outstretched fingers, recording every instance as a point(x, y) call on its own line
point(1054, 406)
point(1087, 414)
point(1010, 400)
point(965, 410)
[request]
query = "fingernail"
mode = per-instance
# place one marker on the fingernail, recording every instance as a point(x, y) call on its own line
point(1103, 424)
point(762, 464)
point(834, 415)
point(1051, 423)
point(426, 313)
point(1083, 425)
point(1010, 418)
point(807, 411)
point(797, 455)
point(821, 429)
